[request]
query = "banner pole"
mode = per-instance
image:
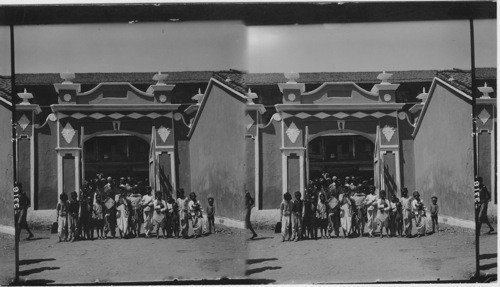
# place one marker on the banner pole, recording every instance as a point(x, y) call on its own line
point(14, 145)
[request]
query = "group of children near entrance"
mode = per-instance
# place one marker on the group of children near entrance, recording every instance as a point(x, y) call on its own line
point(351, 205)
point(105, 206)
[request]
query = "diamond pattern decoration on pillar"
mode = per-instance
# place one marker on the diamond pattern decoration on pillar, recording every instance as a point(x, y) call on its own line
point(302, 115)
point(292, 132)
point(484, 116)
point(135, 115)
point(78, 116)
point(153, 115)
point(23, 122)
point(163, 132)
point(340, 115)
point(388, 132)
point(359, 115)
point(378, 115)
point(248, 121)
point(321, 115)
point(68, 132)
point(97, 116)
point(116, 116)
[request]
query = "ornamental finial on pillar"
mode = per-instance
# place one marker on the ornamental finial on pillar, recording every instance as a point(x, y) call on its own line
point(423, 95)
point(198, 97)
point(292, 77)
point(383, 77)
point(251, 96)
point(25, 97)
point(160, 78)
point(67, 77)
point(486, 91)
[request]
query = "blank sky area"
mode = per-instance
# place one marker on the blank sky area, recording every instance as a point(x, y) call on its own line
point(370, 46)
point(198, 46)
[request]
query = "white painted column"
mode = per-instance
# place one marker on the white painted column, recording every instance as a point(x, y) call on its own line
point(32, 164)
point(284, 171)
point(82, 142)
point(256, 156)
point(77, 172)
point(301, 172)
point(382, 170)
point(59, 174)
point(493, 162)
point(307, 153)
point(398, 171)
point(172, 172)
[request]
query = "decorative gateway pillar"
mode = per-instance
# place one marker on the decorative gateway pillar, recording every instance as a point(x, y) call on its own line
point(388, 133)
point(163, 136)
point(25, 165)
point(68, 135)
point(292, 138)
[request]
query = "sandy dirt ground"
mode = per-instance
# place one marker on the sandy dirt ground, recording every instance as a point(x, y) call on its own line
point(220, 255)
point(448, 255)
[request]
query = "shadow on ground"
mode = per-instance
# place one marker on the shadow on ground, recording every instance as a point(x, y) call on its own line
point(34, 261)
point(259, 260)
point(36, 270)
point(261, 269)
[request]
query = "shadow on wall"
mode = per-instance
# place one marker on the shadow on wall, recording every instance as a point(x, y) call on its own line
point(453, 189)
point(389, 182)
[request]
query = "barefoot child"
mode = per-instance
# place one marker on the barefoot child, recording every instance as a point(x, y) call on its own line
point(196, 215)
point(322, 215)
point(434, 213)
point(98, 218)
point(419, 214)
point(399, 219)
point(286, 213)
point(73, 216)
point(175, 219)
point(211, 215)
point(159, 215)
point(297, 214)
point(382, 218)
point(62, 217)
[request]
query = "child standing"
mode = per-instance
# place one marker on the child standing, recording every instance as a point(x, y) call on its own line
point(169, 214)
point(98, 218)
point(382, 218)
point(399, 219)
point(211, 214)
point(419, 214)
point(73, 216)
point(406, 207)
point(196, 215)
point(345, 212)
point(434, 213)
point(371, 211)
point(297, 212)
point(62, 216)
point(322, 215)
point(309, 214)
point(286, 213)
point(392, 214)
point(182, 202)
point(159, 215)
point(175, 219)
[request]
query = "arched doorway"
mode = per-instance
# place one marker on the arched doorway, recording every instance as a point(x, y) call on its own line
point(340, 154)
point(116, 155)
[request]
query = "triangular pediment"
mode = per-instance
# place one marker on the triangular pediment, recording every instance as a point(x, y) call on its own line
point(115, 93)
point(339, 93)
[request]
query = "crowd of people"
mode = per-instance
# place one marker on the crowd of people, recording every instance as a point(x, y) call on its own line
point(106, 205)
point(348, 205)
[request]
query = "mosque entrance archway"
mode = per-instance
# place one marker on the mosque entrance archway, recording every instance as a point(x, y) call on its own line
point(116, 155)
point(340, 154)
